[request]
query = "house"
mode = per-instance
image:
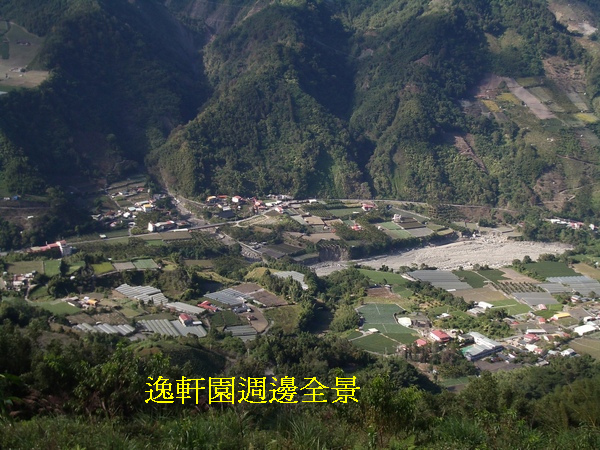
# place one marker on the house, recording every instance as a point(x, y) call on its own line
point(237, 199)
point(208, 306)
point(161, 226)
point(186, 319)
point(368, 207)
point(560, 315)
point(439, 336)
point(421, 342)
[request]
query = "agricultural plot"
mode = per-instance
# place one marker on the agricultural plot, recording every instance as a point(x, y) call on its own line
point(492, 274)
point(284, 317)
point(491, 105)
point(102, 268)
point(344, 212)
point(473, 279)
point(589, 345)
point(589, 271)
point(58, 308)
point(52, 267)
point(25, 267)
point(398, 234)
point(484, 294)
point(379, 277)
point(587, 117)
point(420, 232)
point(513, 307)
point(381, 317)
point(547, 269)
point(144, 264)
point(225, 319)
point(508, 287)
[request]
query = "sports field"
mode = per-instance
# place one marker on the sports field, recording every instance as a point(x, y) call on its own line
point(381, 317)
point(376, 343)
point(145, 264)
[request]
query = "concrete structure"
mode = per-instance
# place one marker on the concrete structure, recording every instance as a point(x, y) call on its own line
point(439, 336)
point(483, 347)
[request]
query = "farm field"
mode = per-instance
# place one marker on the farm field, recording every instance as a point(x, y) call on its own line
point(492, 274)
point(584, 269)
point(25, 267)
point(52, 267)
point(473, 279)
point(552, 309)
point(378, 277)
point(587, 345)
point(344, 212)
point(225, 319)
point(484, 294)
point(58, 308)
point(102, 268)
point(204, 263)
point(547, 269)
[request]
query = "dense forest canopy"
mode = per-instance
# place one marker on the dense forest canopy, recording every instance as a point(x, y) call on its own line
point(307, 98)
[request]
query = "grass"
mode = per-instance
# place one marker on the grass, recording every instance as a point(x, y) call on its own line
point(39, 292)
point(586, 117)
point(284, 317)
point(508, 97)
point(52, 267)
point(547, 269)
point(354, 334)
point(494, 275)
point(102, 268)
point(473, 279)
point(378, 277)
point(403, 338)
point(585, 269)
point(547, 313)
point(450, 382)
point(491, 105)
point(399, 234)
point(25, 267)
point(518, 309)
point(203, 263)
point(343, 212)
point(62, 308)
point(143, 264)
point(75, 267)
point(376, 343)
point(225, 319)
point(257, 273)
point(586, 345)
point(379, 313)
point(505, 302)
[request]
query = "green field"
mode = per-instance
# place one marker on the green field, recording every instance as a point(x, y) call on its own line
point(586, 345)
point(52, 267)
point(75, 267)
point(284, 317)
point(102, 268)
point(552, 309)
point(376, 343)
point(353, 335)
point(62, 308)
point(344, 212)
point(399, 234)
point(25, 267)
point(143, 264)
point(403, 338)
point(547, 269)
point(378, 277)
point(494, 275)
point(225, 319)
point(473, 279)
point(379, 313)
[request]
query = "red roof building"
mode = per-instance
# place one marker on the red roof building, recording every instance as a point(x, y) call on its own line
point(186, 319)
point(439, 336)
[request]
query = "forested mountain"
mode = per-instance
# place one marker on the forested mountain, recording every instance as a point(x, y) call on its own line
point(408, 99)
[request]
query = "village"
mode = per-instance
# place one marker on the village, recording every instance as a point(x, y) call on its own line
point(498, 318)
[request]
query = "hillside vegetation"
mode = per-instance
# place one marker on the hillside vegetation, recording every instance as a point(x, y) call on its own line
point(351, 98)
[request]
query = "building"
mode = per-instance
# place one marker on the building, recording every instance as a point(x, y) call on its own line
point(186, 319)
point(439, 336)
point(161, 226)
point(483, 347)
point(208, 306)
